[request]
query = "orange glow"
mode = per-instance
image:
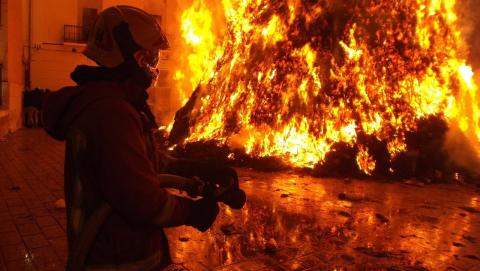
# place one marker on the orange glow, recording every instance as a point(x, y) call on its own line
point(294, 98)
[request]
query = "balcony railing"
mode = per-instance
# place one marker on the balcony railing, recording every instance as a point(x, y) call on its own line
point(74, 33)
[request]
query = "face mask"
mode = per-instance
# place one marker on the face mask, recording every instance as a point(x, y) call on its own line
point(148, 61)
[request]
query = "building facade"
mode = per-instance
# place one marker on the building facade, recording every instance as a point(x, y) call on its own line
point(42, 42)
point(12, 65)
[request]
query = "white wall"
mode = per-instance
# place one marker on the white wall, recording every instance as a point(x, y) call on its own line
point(52, 61)
point(52, 64)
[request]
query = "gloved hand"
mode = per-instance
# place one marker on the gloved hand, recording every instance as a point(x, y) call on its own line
point(203, 213)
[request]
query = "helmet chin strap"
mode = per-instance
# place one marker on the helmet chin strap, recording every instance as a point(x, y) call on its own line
point(147, 61)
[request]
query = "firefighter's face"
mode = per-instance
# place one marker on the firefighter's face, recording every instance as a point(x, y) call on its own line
point(147, 61)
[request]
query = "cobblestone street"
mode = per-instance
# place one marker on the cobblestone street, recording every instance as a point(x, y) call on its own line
point(290, 222)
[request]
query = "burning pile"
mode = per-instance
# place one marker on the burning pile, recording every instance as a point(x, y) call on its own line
point(333, 85)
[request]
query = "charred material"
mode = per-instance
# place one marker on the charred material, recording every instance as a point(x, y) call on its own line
point(214, 153)
point(425, 157)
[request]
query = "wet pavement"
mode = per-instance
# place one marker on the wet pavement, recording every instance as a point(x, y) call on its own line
point(294, 222)
point(290, 222)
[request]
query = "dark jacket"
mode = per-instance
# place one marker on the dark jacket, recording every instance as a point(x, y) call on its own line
point(119, 169)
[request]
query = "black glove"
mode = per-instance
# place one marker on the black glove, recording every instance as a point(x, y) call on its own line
point(203, 213)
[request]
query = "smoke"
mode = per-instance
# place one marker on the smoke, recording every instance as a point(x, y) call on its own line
point(470, 25)
point(469, 21)
point(462, 152)
point(464, 147)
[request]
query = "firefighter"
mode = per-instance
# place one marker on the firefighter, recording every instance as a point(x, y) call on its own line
point(116, 208)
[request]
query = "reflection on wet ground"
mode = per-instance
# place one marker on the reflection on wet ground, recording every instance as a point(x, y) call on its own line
point(294, 222)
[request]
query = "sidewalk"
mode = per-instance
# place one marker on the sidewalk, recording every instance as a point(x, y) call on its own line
point(32, 230)
point(290, 221)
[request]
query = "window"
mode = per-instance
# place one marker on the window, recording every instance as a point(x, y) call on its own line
point(89, 16)
point(79, 33)
point(73, 33)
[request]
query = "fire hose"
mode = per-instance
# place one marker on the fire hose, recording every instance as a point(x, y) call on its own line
point(207, 180)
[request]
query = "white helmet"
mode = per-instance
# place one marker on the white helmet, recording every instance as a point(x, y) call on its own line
point(144, 29)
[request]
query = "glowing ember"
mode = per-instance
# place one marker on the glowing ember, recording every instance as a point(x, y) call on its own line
point(292, 78)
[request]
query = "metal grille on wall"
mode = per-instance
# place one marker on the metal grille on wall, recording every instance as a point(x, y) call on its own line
point(73, 33)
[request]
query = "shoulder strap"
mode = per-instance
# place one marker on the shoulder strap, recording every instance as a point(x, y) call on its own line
point(81, 231)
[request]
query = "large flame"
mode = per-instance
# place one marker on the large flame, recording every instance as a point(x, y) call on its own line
point(201, 27)
point(291, 78)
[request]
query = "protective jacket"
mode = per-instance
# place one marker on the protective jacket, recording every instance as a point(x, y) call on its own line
point(111, 189)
